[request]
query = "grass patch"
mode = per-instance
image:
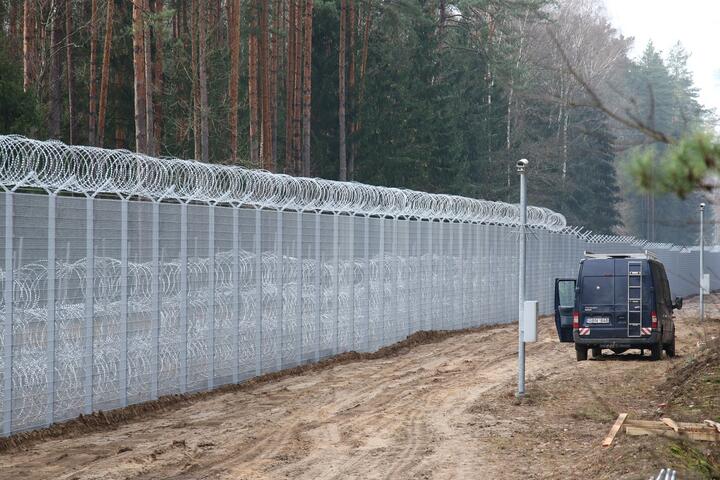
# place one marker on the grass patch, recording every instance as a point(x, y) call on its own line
point(695, 460)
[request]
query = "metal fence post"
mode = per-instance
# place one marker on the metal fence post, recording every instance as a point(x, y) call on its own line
point(463, 283)
point(336, 286)
point(430, 311)
point(9, 313)
point(351, 248)
point(419, 289)
point(236, 295)
point(279, 286)
point(50, 324)
point(318, 286)
point(367, 280)
point(123, 367)
point(395, 279)
point(259, 291)
point(183, 329)
point(89, 303)
point(300, 288)
point(155, 314)
point(211, 297)
point(382, 281)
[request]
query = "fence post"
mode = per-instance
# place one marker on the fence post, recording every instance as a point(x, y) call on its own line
point(318, 286)
point(463, 270)
point(279, 286)
point(351, 248)
point(367, 280)
point(155, 317)
point(419, 289)
point(336, 287)
point(123, 301)
point(396, 279)
point(430, 311)
point(183, 296)
point(211, 297)
point(89, 302)
point(443, 293)
point(50, 324)
point(381, 280)
point(236, 295)
point(9, 313)
point(300, 302)
point(259, 290)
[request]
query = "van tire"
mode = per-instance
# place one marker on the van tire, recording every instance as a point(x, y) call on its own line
point(670, 347)
point(581, 352)
point(656, 351)
point(596, 352)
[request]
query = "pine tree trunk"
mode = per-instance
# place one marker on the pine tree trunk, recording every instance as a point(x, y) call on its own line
point(341, 93)
point(69, 70)
point(351, 87)
point(266, 145)
point(195, 78)
point(92, 81)
point(139, 87)
point(13, 26)
point(233, 87)
point(274, 54)
point(253, 84)
point(55, 80)
point(355, 125)
point(202, 60)
point(29, 54)
point(307, 88)
point(290, 88)
point(158, 78)
point(297, 95)
point(105, 73)
point(149, 86)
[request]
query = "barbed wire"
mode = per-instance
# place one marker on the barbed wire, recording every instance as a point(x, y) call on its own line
point(53, 165)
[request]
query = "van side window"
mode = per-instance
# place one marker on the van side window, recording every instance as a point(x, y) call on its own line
point(666, 287)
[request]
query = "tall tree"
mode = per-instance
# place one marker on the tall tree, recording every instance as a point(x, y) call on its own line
point(341, 92)
point(149, 84)
point(195, 90)
point(307, 87)
point(29, 53)
point(105, 72)
point(253, 83)
point(290, 88)
point(139, 79)
point(55, 80)
point(70, 70)
point(92, 81)
point(234, 78)
point(158, 73)
point(203, 83)
point(266, 136)
point(297, 94)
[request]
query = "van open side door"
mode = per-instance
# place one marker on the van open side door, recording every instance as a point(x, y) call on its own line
point(564, 306)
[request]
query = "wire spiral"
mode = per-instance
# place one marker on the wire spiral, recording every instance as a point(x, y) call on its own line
point(53, 165)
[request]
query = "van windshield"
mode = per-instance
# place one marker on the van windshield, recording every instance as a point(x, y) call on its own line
point(598, 291)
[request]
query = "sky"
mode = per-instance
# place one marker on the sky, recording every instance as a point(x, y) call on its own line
point(695, 23)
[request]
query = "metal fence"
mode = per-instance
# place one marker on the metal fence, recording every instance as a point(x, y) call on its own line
point(126, 278)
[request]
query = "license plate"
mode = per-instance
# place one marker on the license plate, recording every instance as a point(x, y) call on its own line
point(596, 320)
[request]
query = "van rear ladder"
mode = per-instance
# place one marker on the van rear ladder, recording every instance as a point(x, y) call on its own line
point(634, 297)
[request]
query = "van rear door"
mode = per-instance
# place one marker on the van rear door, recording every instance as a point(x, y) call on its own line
point(564, 307)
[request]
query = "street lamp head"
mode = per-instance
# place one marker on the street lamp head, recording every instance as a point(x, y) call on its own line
point(702, 206)
point(521, 164)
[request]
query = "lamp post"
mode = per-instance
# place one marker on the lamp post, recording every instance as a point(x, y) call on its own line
point(702, 267)
point(521, 164)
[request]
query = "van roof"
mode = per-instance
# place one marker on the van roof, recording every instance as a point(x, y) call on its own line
point(646, 255)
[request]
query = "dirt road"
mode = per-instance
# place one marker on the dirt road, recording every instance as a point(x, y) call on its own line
point(439, 410)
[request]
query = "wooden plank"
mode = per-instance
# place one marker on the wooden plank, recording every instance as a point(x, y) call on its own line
point(707, 435)
point(716, 425)
point(670, 423)
point(613, 431)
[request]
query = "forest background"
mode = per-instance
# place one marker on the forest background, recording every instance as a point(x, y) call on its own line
point(434, 95)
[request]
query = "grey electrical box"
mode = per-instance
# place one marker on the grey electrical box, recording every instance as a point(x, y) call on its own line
point(530, 309)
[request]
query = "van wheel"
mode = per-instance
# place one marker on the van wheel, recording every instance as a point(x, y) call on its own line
point(670, 347)
point(597, 352)
point(581, 352)
point(656, 352)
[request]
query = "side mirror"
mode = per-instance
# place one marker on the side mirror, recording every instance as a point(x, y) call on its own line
point(678, 303)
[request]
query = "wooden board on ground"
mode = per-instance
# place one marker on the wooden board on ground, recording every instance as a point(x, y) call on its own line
point(615, 428)
point(692, 431)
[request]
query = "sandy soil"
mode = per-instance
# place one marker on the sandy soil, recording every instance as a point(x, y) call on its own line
point(439, 410)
